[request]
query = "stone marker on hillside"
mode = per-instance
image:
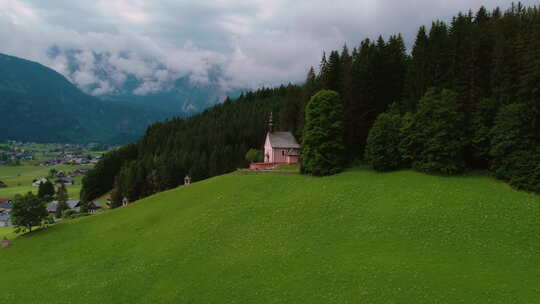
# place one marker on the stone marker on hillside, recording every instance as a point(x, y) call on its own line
point(5, 242)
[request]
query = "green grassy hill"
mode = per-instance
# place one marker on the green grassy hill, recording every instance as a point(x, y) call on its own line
point(358, 237)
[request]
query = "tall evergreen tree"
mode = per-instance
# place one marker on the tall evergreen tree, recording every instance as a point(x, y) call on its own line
point(334, 73)
point(311, 86)
point(61, 197)
point(46, 190)
point(418, 75)
point(322, 78)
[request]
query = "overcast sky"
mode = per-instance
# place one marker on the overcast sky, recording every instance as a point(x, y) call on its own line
point(253, 42)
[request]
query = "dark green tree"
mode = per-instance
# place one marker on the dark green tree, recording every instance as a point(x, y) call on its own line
point(418, 70)
point(288, 114)
point(61, 197)
point(334, 73)
point(28, 211)
point(311, 86)
point(322, 144)
point(435, 139)
point(361, 113)
point(481, 123)
point(46, 190)
point(511, 137)
point(322, 78)
point(382, 148)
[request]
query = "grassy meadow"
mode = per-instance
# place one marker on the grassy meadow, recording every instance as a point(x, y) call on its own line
point(357, 237)
point(19, 179)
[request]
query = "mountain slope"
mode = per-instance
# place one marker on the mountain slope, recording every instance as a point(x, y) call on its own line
point(279, 238)
point(39, 104)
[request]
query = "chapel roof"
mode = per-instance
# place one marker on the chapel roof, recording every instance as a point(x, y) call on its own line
point(283, 140)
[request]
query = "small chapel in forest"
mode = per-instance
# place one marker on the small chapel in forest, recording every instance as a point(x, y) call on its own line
point(280, 147)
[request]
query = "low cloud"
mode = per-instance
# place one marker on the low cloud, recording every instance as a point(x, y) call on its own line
point(99, 45)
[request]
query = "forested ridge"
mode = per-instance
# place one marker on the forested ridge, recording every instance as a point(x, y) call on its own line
point(474, 83)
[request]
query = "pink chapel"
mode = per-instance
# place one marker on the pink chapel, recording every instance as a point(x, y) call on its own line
point(279, 148)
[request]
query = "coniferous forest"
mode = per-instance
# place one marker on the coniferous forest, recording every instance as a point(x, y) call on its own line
point(466, 97)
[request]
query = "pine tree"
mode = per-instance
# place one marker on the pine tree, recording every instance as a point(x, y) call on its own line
point(483, 42)
point(396, 69)
point(462, 69)
point(417, 81)
point(529, 77)
point(61, 197)
point(311, 86)
point(346, 78)
point(322, 78)
point(46, 191)
point(334, 73)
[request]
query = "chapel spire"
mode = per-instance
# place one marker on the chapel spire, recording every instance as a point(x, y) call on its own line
point(271, 124)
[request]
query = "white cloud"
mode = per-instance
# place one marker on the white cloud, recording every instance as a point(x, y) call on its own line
point(252, 42)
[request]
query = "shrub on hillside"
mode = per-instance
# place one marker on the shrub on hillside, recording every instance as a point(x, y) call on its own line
point(75, 215)
point(433, 139)
point(254, 156)
point(322, 141)
point(524, 170)
point(68, 213)
point(49, 220)
point(382, 147)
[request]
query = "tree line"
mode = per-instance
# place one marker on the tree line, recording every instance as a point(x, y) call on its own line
point(466, 97)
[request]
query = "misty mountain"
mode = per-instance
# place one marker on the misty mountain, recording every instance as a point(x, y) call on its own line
point(146, 82)
point(39, 104)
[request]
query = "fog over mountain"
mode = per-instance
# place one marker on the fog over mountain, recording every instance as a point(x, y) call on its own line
point(139, 48)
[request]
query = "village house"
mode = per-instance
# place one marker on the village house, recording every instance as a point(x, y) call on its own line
point(68, 181)
point(60, 174)
point(80, 171)
point(72, 205)
point(39, 181)
point(5, 208)
point(5, 204)
point(5, 219)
